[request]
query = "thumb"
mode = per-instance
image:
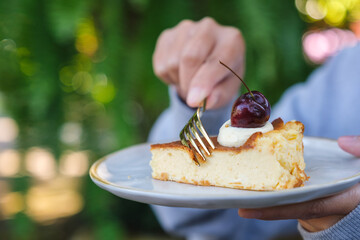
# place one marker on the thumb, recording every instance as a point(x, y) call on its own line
point(350, 144)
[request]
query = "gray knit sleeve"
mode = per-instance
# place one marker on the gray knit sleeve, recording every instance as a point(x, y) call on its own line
point(347, 228)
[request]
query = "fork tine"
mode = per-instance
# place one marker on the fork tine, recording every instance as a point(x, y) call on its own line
point(190, 132)
point(191, 140)
point(203, 131)
point(197, 136)
point(185, 131)
point(193, 143)
point(183, 138)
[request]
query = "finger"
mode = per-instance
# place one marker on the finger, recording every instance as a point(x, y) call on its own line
point(160, 56)
point(223, 92)
point(350, 144)
point(229, 50)
point(340, 204)
point(196, 51)
point(167, 79)
point(175, 49)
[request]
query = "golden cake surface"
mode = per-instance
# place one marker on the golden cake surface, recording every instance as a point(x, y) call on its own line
point(266, 161)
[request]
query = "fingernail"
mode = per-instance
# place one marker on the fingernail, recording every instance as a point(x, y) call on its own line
point(349, 139)
point(350, 144)
point(195, 96)
point(245, 213)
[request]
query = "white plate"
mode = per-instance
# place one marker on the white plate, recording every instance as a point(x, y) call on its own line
point(127, 174)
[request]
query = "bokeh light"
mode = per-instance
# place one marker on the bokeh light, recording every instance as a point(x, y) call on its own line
point(86, 39)
point(40, 163)
point(336, 13)
point(74, 164)
point(9, 130)
point(103, 90)
point(355, 28)
point(11, 203)
point(319, 45)
point(9, 162)
point(333, 12)
point(49, 201)
point(8, 45)
point(82, 82)
point(334, 19)
point(315, 10)
point(71, 133)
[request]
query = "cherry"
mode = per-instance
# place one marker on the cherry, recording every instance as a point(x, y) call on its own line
point(250, 110)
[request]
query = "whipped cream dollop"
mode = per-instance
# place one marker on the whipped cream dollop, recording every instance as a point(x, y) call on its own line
point(235, 137)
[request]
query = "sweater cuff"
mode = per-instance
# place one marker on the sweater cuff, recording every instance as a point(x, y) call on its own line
point(346, 228)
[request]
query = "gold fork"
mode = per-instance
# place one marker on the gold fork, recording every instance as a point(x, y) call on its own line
point(189, 133)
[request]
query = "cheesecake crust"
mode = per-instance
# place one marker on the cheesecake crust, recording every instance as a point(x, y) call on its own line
point(278, 125)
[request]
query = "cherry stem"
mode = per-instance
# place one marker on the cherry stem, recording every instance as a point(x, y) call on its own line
point(238, 77)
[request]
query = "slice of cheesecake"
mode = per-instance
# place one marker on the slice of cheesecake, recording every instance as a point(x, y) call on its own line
point(267, 161)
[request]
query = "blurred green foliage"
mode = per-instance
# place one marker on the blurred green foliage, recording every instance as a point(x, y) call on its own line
point(89, 62)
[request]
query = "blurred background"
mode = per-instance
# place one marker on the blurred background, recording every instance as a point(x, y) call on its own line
point(76, 83)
